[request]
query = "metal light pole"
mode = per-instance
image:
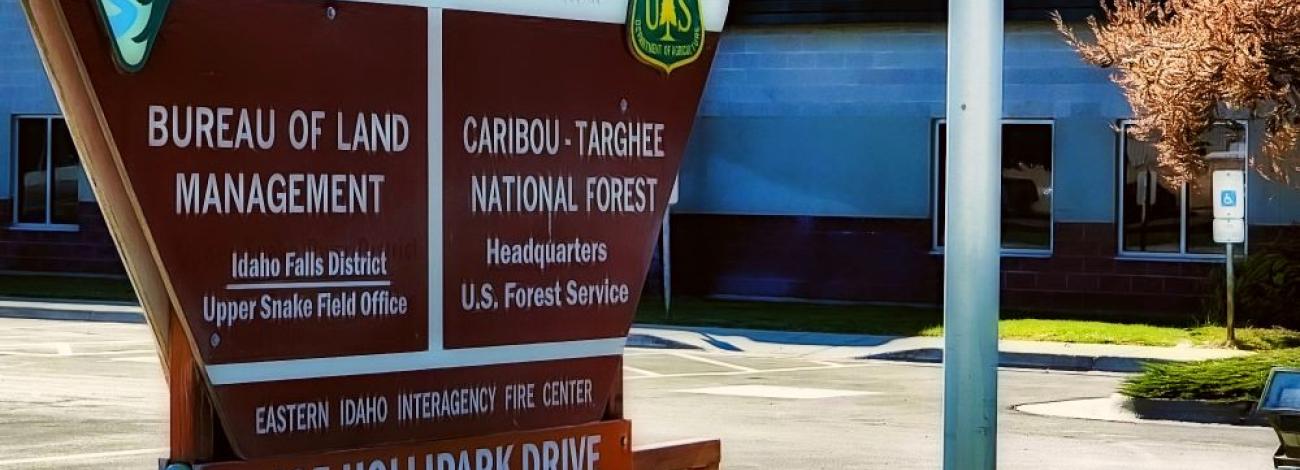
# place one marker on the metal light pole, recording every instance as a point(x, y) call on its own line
point(973, 235)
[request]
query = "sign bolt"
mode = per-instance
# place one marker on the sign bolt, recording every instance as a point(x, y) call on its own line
point(622, 105)
point(330, 13)
point(215, 340)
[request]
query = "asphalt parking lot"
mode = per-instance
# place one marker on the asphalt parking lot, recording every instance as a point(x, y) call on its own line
point(81, 395)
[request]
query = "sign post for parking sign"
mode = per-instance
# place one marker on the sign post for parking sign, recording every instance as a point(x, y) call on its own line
point(1230, 228)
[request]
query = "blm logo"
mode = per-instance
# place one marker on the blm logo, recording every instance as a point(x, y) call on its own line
point(132, 27)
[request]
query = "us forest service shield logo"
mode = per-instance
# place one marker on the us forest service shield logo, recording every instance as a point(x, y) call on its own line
point(665, 34)
point(132, 27)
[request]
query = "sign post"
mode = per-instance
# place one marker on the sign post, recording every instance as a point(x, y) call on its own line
point(973, 238)
point(385, 231)
point(1230, 229)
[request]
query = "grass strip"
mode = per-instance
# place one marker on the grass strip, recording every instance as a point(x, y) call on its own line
point(892, 320)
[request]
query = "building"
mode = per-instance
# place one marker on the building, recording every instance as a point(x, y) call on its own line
point(815, 170)
point(49, 221)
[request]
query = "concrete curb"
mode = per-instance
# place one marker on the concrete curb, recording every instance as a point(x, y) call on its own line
point(1118, 408)
point(636, 340)
point(1195, 411)
point(68, 311)
point(1029, 360)
point(1019, 354)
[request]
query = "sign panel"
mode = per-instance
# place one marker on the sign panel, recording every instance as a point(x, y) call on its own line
point(286, 212)
point(1229, 194)
point(1229, 230)
point(548, 198)
point(382, 221)
point(604, 445)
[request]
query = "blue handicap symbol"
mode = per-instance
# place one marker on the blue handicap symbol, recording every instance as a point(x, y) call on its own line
point(1228, 198)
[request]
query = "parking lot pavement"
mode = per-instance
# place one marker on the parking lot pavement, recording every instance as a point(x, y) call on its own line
point(788, 413)
point(78, 395)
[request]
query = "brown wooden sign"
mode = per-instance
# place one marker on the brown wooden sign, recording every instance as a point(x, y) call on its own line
point(381, 222)
point(603, 445)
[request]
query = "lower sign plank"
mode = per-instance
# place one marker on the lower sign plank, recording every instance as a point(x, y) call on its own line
point(297, 416)
point(603, 445)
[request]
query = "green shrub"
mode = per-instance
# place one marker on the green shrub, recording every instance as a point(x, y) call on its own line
point(1229, 380)
point(1268, 290)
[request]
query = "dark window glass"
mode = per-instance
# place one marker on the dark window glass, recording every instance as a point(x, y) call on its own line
point(1151, 206)
point(1026, 185)
point(33, 175)
point(1160, 217)
point(66, 177)
point(48, 172)
point(1199, 211)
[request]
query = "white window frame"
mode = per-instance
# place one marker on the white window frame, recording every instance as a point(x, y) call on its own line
point(1182, 254)
point(47, 226)
point(937, 248)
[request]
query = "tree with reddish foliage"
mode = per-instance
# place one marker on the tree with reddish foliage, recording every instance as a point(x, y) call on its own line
point(1182, 64)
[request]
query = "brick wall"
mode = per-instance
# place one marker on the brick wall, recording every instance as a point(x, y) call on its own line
point(804, 257)
point(890, 260)
point(1084, 274)
point(89, 250)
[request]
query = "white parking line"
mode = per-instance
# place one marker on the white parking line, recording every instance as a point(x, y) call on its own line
point(626, 353)
point(30, 345)
point(825, 363)
point(90, 456)
point(26, 354)
point(145, 359)
point(118, 353)
point(752, 372)
point(774, 391)
point(69, 352)
point(642, 372)
point(31, 380)
point(714, 362)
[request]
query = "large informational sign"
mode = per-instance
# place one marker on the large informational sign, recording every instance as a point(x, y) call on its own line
point(386, 222)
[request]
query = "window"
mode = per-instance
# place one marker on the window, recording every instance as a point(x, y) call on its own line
point(1026, 186)
point(1165, 219)
point(47, 174)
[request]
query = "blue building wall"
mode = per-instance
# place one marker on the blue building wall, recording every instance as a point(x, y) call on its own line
point(1270, 202)
point(837, 121)
point(809, 165)
point(820, 120)
point(24, 88)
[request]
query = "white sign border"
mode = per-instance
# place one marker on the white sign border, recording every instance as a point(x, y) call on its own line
point(714, 12)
